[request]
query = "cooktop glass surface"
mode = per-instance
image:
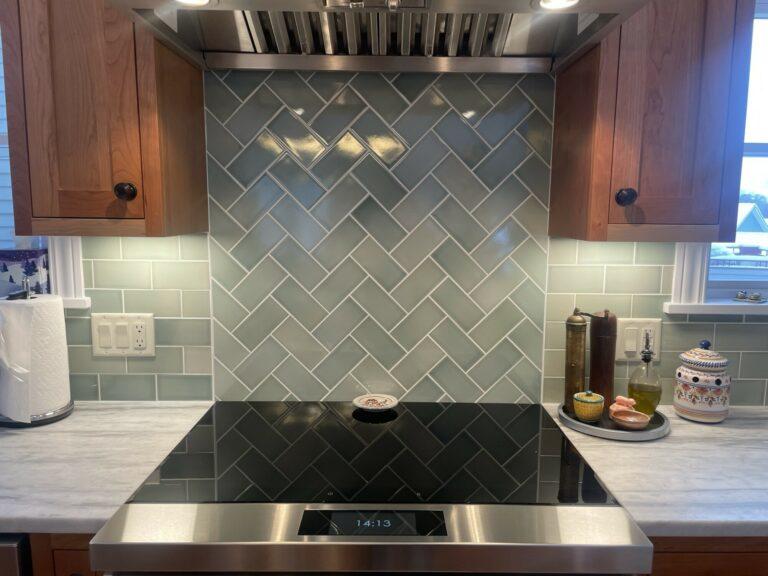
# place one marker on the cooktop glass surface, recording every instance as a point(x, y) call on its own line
point(416, 453)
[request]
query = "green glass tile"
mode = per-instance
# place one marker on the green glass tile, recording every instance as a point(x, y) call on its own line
point(667, 274)
point(292, 90)
point(537, 131)
point(260, 323)
point(300, 343)
point(264, 236)
point(379, 182)
point(151, 248)
point(451, 379)
point(678, 337)
point(631, 280)
point(167, 360)
point(733, 337)
point(619, 305)
point(338, 160)
point(504, 116)
point(418, 284)
point(88, 273)
point(228, 311)
point(380, 95)
point(348, 388)
point(339, 323)
point(463, 95)
point(527, 378)
point(244, 82)
point(298, 223)
point(529, 339)
point(495, 364)
point(223, 228)
point(261, 362)
point(411, 85)
point(417, 363)
point(498, 206)
point(196, 303)
point(339, 202)
point(378, 343)
point(327, 84)
point(183, 275)
point(378, 223)
point(497, 285)
point(418, 244)
point(554, 364)
point(655, 253)
point(420, 202)
point(339, 362)
point(270, 390)
point(78, 331)
point(420, 160)
point(418, 323)
point(424, 391)
point(606, 252)
point(506, 157)
point(252, 161)
point(122, 274)
point(299, 381)
point(455, 342)
point(253, 114)
point(576, 279)
point(460, 182)
point(259, 283)
point(82, 361)
point(499, 245)
point(294, 179)
point(296, 137)
point(378, 304)
point(161, 303)
point(187, 331)
point(197, 359)
point(338, 114)
point(459, 266)
point(532, 259)
point(504, 391)
point(84, 386)
point(748, 392)
point(219, 141)
point(226, 348)
point(194, 246)
point(459, 224)
point(530, 298)
point(376, 379)
point(560, 306)
point(421, 116)
point(462, 139)
point(221, 186)
point(339, 243)
point(97, 248)
point(224, 268)
point(300, 303)
point(495, 86)
point(563, 251)
point(457, 305)
point(331, 291)
point(298, 263)
point(496, 325)
point(219, 100)
point(553, 390)
point(644, 306)
point(541, 89)
point(379, 139)
point(378, 264)
point(105, 300)
point(534, 173)
point(184, 387)
point(127, 387)
point(554, 336)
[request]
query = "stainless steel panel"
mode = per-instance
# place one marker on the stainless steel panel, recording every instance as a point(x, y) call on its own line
point(361, 63)
point(328, 31)
point(428, 33)
point(264, 538)
point(257, 31)
point(477, 34)
point(373, 33)
point(216, 30)
point(500, 34)
point(405, 32)
point(384, 31)
point(304, 31)
point(352, 33)
point(453, 31)
point(280, 32)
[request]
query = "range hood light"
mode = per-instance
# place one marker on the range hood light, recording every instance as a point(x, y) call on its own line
point(193, 2)
point(557, 4)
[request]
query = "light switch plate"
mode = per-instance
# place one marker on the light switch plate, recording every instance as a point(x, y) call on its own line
point(630, 340)
point(123, 335)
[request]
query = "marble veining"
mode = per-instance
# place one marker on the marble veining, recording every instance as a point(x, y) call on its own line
point(701, 480)
point(72, 475)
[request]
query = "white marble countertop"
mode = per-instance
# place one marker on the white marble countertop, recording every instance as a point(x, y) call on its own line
point(71, 476)
point(701, 480)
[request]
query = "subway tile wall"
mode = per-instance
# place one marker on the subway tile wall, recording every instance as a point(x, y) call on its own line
point(634, 280)
point(382, 233)
point(166, 276)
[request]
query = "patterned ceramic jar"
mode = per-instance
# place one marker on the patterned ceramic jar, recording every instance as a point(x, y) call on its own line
point(703, 386)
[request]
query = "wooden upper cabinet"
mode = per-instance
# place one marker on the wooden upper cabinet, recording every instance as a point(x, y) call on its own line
point(649, 127)
point(112, 125)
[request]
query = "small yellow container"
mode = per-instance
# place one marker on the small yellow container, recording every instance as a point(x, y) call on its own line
point(588, 406)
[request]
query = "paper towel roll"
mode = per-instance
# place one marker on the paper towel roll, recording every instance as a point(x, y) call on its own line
point(34, 366)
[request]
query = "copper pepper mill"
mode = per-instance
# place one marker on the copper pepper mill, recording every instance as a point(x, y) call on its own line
point(575, 356)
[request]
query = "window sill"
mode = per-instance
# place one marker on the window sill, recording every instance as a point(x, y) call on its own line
point(77, 303)
point(717, 307)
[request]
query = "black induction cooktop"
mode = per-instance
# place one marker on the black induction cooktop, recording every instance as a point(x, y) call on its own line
point(417, 453)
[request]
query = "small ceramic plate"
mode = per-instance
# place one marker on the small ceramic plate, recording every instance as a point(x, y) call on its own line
point(748, 301)
point(375, 402)
point(630, 419)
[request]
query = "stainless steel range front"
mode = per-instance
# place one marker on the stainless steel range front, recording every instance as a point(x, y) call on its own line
point(294, 487)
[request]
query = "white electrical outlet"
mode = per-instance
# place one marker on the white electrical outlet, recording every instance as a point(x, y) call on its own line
point(630, 339)
point(123, 334)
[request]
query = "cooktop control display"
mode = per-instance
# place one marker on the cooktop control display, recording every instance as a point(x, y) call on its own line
point(372, 523)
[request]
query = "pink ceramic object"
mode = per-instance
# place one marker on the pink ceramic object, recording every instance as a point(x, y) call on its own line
point(630, 419)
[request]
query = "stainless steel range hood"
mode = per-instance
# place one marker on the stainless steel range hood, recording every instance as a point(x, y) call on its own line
point(383, 35)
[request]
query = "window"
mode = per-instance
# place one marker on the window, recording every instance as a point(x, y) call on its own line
point(709, 276)
point(51, 264)
point(743, 264)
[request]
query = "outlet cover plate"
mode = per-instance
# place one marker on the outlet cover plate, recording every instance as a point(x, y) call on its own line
point(631, 338)
point(117, 335)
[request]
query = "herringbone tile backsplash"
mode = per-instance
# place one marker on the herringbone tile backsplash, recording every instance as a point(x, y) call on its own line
point(378, 233)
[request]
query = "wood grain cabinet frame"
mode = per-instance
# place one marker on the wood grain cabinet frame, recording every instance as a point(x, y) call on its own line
point(658, 107)
point(94, 100)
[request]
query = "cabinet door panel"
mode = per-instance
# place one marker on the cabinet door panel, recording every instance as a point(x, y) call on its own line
point(82, 108)
point(72, 563)
point(671, 112)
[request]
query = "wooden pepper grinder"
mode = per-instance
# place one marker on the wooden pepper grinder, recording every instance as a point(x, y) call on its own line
point(602, 342)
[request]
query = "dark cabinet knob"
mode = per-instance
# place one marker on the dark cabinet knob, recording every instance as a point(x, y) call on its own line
point(626, 196)
point(125, 191)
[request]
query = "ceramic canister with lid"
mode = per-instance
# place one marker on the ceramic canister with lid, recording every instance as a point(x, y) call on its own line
point(703, 387)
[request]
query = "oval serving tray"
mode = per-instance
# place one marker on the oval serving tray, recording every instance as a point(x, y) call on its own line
point(657, 428)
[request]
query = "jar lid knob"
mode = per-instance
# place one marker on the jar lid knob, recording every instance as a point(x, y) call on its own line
point(705, 344)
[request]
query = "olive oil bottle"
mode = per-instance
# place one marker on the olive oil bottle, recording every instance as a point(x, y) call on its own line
point(645, 384)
